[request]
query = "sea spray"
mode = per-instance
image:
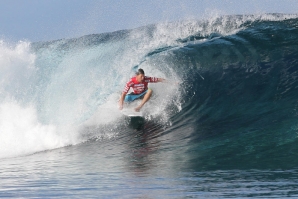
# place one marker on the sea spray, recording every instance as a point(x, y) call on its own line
point(21, 131)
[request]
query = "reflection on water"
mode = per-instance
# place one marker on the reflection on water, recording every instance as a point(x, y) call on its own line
point(135, 164)
point(78, 172)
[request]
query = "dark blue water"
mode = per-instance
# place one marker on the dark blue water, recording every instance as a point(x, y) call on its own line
point(224, 126)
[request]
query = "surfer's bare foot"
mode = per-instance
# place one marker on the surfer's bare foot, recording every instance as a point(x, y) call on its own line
point(138, 109)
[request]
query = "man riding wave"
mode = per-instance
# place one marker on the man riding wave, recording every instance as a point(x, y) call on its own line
point(139, 84)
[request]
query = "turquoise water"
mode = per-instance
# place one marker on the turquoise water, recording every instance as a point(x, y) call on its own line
point(111, 169)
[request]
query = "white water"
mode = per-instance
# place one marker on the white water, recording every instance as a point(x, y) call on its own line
point(21, 132)
point(48, 97)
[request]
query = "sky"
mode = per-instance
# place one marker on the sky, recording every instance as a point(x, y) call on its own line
point(45, 20)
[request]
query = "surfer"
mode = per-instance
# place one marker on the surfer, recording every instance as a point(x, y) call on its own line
point(139, 84)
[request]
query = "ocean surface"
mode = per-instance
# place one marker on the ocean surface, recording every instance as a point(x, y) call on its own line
point(224, 125)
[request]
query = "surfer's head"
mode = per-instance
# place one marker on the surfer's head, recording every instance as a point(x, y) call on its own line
point(140, 75)
point(140, 71)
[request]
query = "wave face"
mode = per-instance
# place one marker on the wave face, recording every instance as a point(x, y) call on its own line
point(235, 105)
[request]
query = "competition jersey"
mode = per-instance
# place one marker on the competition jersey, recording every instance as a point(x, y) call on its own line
point(139, 87)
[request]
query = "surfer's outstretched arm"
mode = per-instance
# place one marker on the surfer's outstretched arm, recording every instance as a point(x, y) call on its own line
point(161, 80)
point(122, 100)
point(166, 81)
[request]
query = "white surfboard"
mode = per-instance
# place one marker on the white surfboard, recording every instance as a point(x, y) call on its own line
point(131, 112)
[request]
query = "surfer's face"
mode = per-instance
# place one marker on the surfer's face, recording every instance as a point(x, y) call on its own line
point(140, 77)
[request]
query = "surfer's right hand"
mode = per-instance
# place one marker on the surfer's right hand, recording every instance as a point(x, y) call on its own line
point(120, 106)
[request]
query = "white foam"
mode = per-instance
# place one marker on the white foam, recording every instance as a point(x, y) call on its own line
point(16, 66)
point(21, 133)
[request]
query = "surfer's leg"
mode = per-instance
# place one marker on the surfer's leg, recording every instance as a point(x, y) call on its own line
point(128, 98)
point(144, 100)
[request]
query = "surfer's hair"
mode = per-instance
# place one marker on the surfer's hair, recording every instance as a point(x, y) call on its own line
point(140, 71)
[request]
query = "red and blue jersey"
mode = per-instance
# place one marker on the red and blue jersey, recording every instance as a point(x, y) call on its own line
point(139, 87)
